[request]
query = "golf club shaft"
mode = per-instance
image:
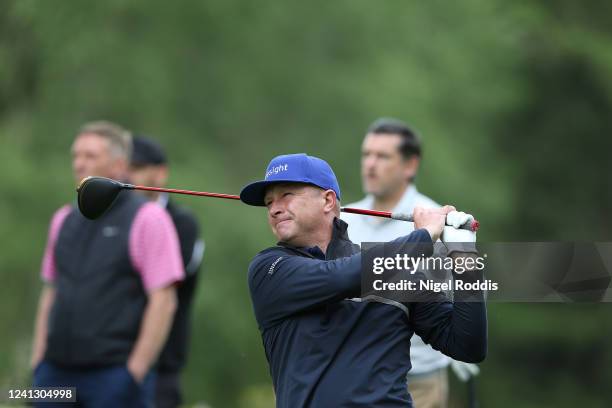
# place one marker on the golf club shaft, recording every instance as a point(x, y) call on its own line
point(472, 226)
point(187, 192)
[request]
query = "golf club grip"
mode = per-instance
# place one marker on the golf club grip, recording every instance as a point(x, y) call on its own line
point(470, 226)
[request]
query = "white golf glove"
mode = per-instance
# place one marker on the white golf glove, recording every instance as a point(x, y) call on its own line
point(464, 371)
point(455, 239)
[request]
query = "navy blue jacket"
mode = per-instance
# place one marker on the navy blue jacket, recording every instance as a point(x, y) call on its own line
point(328, 348)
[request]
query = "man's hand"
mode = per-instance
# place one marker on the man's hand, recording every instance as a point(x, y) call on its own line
point(432, 219)
point(154, 329)
point(455, 239)
point(137, 370)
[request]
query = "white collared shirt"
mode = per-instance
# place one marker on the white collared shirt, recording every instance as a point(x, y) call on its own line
point(375, 229)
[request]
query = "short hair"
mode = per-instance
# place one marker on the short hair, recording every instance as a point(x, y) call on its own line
point(120, 139)
point(410, 144)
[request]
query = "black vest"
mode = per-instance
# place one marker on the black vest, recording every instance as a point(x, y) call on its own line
point(100, 299)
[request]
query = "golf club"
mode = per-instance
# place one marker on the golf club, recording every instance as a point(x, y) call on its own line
point(97, 194)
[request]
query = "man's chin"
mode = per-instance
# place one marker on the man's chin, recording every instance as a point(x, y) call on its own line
point(371, 190)
point(284, 235)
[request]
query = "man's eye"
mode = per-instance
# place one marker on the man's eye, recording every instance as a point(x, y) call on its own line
point(286, 194)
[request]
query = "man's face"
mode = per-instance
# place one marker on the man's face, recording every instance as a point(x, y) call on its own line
point(149, 175)
point(296, 211)
point(92, 156)
point(384, 171)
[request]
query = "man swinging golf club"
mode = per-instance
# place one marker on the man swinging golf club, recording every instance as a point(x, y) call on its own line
point(325, 346)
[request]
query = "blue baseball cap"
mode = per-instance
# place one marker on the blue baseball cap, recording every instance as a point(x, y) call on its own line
point(291, 168)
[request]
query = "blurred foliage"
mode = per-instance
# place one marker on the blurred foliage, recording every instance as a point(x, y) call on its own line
point(513, 100)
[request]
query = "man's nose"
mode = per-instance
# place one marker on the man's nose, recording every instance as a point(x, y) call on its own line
point(369, 162)
point(275, 209)
point(77, 164)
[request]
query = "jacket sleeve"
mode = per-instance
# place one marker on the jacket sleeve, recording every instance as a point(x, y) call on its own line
point(282, 284)
point(457, 329)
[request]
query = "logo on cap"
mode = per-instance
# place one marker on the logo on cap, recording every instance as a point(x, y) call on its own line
point(276, 169)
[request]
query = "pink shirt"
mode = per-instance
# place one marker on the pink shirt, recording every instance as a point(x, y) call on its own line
point(153, 246)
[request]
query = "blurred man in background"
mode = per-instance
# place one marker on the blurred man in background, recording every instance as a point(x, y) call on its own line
point(149, 167)
point(390, 158)
point(109, 296)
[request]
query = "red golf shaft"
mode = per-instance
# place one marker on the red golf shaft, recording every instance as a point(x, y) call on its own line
point(471, 226)
point(187, 192)
point(385, 214)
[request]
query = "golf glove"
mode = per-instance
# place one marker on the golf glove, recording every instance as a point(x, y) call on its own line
point(464, 371)
point(455, 239)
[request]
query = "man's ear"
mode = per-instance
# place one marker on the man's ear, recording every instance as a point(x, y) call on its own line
point(411, 167)
point(330, 201)
point(120, 167)
point(162, 175)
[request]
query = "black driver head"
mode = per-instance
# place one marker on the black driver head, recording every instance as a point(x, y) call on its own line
point(97, 194)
